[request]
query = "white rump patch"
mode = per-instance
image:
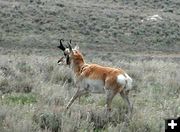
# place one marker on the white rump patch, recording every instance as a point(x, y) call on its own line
point(121, 79)
point(125, 81)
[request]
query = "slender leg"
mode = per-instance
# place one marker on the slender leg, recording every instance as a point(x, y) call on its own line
point(126, 99)
point(109, 97)
point(79, 93)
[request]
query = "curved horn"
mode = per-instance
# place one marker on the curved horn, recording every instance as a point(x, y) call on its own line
point(61, 45)
point(70, 48)
point(69, 43)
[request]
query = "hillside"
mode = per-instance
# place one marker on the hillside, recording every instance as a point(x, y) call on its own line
point(117, 25)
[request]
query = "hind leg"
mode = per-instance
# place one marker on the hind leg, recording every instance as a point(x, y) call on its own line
point(109, 97)
point(124, 95)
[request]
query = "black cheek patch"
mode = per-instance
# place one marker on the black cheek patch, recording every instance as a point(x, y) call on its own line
point(67, 60)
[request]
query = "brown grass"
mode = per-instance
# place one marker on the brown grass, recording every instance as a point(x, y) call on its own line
point(34, 89)
point(155, 96)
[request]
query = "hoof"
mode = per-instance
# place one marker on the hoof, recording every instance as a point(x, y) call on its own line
point(67, 108)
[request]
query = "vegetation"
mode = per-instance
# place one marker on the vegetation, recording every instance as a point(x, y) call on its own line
point(155, 97)
point(123, 24)
point(34, 90)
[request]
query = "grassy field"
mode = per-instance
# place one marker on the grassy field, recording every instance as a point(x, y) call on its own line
point(120, 25)
point(34, 90)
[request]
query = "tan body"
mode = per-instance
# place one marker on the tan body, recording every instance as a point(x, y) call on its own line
point(94, 78)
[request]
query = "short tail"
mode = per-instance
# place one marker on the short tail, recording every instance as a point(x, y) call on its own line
point(128, 85)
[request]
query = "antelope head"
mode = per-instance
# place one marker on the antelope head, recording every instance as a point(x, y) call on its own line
point(66, 51)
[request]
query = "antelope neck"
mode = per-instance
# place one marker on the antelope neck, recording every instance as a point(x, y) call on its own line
point(77, 66)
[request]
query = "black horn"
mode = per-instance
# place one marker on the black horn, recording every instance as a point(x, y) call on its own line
point(61, 45)
point(68, 43)
point(70, 48)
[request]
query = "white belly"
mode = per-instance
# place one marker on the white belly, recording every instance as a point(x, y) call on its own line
point(94, 86)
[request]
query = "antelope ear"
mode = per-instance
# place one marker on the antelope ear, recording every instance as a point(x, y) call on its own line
point(76, 47)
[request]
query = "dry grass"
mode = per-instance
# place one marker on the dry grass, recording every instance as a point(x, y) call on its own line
point(35, 90)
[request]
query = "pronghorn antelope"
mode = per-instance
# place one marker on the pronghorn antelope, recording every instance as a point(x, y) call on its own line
point(95, 78)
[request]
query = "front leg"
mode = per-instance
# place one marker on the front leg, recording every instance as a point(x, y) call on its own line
point(79, 93)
